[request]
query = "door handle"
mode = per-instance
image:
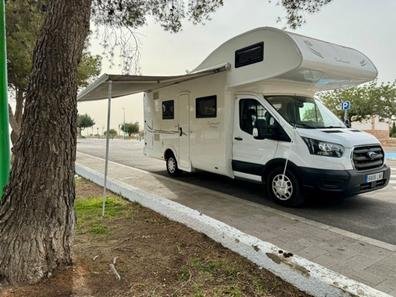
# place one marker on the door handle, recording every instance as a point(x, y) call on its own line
point(180, 131)
point(238, 138)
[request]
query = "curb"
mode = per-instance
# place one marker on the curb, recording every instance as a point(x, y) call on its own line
point(300, 272)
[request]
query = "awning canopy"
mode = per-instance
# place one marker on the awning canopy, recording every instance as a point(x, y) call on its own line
point(123, 85)
point(110, 86)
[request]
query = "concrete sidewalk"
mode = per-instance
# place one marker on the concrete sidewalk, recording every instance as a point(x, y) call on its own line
point(363, 259)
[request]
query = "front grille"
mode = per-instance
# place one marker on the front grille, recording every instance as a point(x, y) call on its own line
point(368, 157)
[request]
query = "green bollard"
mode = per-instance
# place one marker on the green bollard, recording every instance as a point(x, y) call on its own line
point(4, 131)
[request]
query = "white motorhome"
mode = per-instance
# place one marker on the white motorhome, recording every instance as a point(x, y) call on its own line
point(257, 118)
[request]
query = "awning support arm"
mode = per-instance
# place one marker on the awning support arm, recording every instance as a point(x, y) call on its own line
point(107, 147)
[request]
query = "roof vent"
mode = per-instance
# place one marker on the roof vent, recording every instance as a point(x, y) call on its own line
point(249, 55)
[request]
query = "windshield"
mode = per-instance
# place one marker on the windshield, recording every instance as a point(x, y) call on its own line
point(303, 112)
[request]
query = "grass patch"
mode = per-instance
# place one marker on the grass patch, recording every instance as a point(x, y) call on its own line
point(212, 266)
point(197, 290)
point(98, 229)
point(89, 214)
point(220, 277)
point(93, 206)
point(229, 290)
point(184, 274)
point(205, 266)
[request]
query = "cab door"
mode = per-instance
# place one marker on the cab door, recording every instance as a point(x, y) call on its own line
point(249, 154)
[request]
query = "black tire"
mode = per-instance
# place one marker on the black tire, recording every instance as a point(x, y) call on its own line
point(288, 195)
point(172, 167)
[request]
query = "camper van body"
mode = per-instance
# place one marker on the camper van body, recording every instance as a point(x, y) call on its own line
point(201, 124)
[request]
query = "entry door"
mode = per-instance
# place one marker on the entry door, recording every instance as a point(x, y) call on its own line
point(250, 154)
point(183, 115)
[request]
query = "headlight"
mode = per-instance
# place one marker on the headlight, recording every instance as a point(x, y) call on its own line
point(323, 148)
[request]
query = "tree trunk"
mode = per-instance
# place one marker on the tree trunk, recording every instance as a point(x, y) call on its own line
point(37, 215)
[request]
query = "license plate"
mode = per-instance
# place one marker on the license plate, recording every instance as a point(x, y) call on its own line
point(374, 177)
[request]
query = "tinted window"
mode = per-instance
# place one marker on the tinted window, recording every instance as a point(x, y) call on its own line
point(206, 107)
point(252, 114)
point(249, 55)
point(168, 110)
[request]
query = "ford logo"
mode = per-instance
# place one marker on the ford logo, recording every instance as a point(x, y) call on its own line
point(372, 155)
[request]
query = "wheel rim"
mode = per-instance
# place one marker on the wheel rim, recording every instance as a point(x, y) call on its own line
point(282, 187)
point(171, 165)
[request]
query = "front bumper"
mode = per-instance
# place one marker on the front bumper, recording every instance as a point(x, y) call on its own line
point(344, 182)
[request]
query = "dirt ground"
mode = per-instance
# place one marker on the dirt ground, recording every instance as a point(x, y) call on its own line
point(153, 256)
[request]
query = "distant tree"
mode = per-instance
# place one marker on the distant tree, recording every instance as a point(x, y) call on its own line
point(88, 69)
point(24, 20)
point(112, 133)
point(130, 128)
point(84, 121)
point(366, 100)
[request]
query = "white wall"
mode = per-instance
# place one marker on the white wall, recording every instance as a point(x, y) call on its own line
point(371, 124)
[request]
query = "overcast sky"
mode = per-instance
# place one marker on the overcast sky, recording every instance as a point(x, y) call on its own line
point(366, 25)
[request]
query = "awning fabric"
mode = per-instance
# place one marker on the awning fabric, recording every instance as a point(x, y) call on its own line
point(123, 85)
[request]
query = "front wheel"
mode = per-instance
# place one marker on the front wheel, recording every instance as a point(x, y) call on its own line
point(171, 166)
point(284, 189)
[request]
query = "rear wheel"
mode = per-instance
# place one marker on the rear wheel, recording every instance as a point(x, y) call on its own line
point(284, 189)
point(171, 166)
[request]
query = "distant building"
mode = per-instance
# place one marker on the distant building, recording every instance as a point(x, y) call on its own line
point(375, 126)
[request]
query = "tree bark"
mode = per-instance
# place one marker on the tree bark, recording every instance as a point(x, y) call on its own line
point(36, 214)
point(19, 98)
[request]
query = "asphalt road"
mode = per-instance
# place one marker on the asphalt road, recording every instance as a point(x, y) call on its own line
point(372, 214)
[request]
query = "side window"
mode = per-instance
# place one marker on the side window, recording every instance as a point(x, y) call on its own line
point(206, 107)
point(168, 110)
point(283, 106)
point(252, 114)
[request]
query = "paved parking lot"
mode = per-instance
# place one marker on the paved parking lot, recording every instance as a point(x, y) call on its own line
point(372, 215)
